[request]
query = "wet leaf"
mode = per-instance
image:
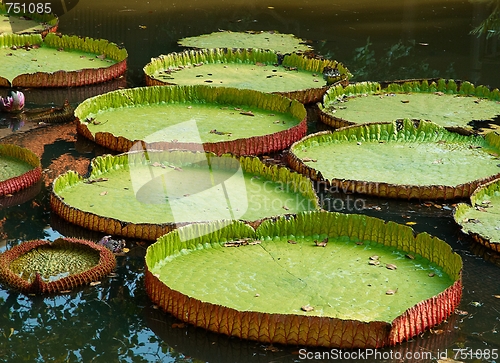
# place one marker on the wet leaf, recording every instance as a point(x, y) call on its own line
point(306, 159)
point(322, 243)
point(307, 308)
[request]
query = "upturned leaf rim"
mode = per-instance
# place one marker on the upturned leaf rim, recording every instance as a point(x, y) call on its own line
point(308, 330)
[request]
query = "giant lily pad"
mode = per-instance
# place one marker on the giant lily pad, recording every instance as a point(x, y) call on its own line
point(320, 278)
point(294, 76)
point(43, 267)
point(271, 40)
point(220, 120)
point(146, 194)
point(452, 104)
point(481, 218)
point(402, 159)
point(19, 169)
point(38, 21)
point(58, 61)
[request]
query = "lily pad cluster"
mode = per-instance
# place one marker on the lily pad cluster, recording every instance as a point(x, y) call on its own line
point(42, 267)
point(20, 169)
point(306, 280)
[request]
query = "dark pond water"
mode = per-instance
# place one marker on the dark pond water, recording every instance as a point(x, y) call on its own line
point(377, 40)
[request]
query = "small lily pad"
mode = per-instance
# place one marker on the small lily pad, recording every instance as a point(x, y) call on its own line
point(43, 267)
point(271, 40)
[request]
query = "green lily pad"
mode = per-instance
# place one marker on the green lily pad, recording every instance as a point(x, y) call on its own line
point(145, 194)
point(58, 61)
point(37, 22)
point(42, 267)
point(452, 104)
point(306, 280)
point(216, 119)
point(401, 159)
point(296, 76)
point(271, 40)
point(19, 169)
point(480, 218)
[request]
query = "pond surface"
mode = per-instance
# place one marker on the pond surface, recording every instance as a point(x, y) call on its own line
point(115, 321)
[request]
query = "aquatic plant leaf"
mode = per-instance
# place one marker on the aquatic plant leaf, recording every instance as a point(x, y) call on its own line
point(296, 76)
point(270, 40)
point(451, 104)
point(44, 267)
point(431, 163)
point(192, 117)
point(480, 218)
point(58, 61)
point(151, 193)
point(20, 169)
point(293, 278)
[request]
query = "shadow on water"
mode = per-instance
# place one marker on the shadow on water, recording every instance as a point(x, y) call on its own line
point(115, 321)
